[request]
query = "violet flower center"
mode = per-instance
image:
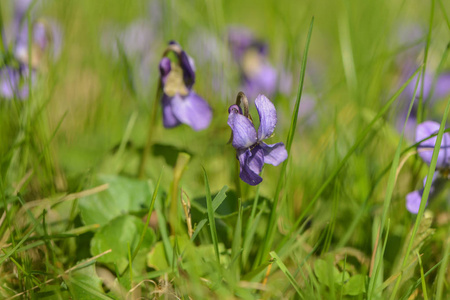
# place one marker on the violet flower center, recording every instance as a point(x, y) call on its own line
point(251, 63)
point(174, 82)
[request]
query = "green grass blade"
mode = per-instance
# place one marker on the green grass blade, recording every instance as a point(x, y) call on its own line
point(199, 227)
point(267, 244)
point(364, 207)
point(286, 272)
point(442, 271)
point(420, 107)
point(212, 222)
point(388, 195)
point(249, 236)
point(128, 68)
point(13, 250)
point(444, 13)
point(220, 197)
point(426, 191)
point(378, 265)
point(344, 161)
point(422, 278)
point(218, 200)
point(347, 51)
point(236, 244)
point(168, 249)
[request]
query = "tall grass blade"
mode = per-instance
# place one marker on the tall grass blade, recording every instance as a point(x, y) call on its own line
point(426, 192)
point(344, 161)
point(236, 244)
point(442, 271)
point(389, 192)
point(288, 274)
point(211, 219)
point(13, 250)
point(420, 108)
point(267, 244)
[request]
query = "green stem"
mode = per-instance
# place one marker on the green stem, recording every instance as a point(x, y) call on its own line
point(267, 244)
point(148, 145)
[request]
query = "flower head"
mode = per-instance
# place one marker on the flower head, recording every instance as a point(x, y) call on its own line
point(251, 151)
point(46, 40)
point(425, 149)
point(13, 82)
point(258, 75)
point(180, 104)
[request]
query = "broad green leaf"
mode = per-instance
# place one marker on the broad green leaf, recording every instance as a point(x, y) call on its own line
point(322, 270)
point(192, 255)
point(117, 235)
point(355, 285)
point(85, 284)
point(52, 292)
point(122, 196)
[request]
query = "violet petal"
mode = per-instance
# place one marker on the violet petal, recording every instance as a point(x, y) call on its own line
point(442, 88)
point(274, 154)
point(244, 133)
point(267, 117)
point(169, 119)
point(263, 81)
point(192, 110)
point(426, 129)
point(251, 163)
point(187, 64)
point(164, 68)
point(413, 200)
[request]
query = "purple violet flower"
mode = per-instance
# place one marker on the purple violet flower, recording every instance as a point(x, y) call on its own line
point(258, 75)
point(46, 40)
point(180, 104)
point(433, 88)
point(251, 151)
point(425, 149)
point(13, 82)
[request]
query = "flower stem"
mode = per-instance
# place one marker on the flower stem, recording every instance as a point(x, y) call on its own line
point(237, 180)
point(148, 144)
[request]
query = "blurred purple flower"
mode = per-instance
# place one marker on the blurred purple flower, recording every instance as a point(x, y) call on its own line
point(13, 82)
point(180, 104)
point(433, 90)
point(307, 111)
point(410, 39)
point(258, 75)
point(46, 40)
point(251, 151)
point(213, 53)
point(46, 34)
point(136, 38)
point(240, 39)
point(136, 41)
point(425, 149)
point(285, 82)
point(20, 9)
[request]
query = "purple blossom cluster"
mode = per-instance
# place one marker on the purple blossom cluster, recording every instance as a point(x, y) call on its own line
point(425, 150)
point(46, 41)
point(181, 105)
point(258, 74)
